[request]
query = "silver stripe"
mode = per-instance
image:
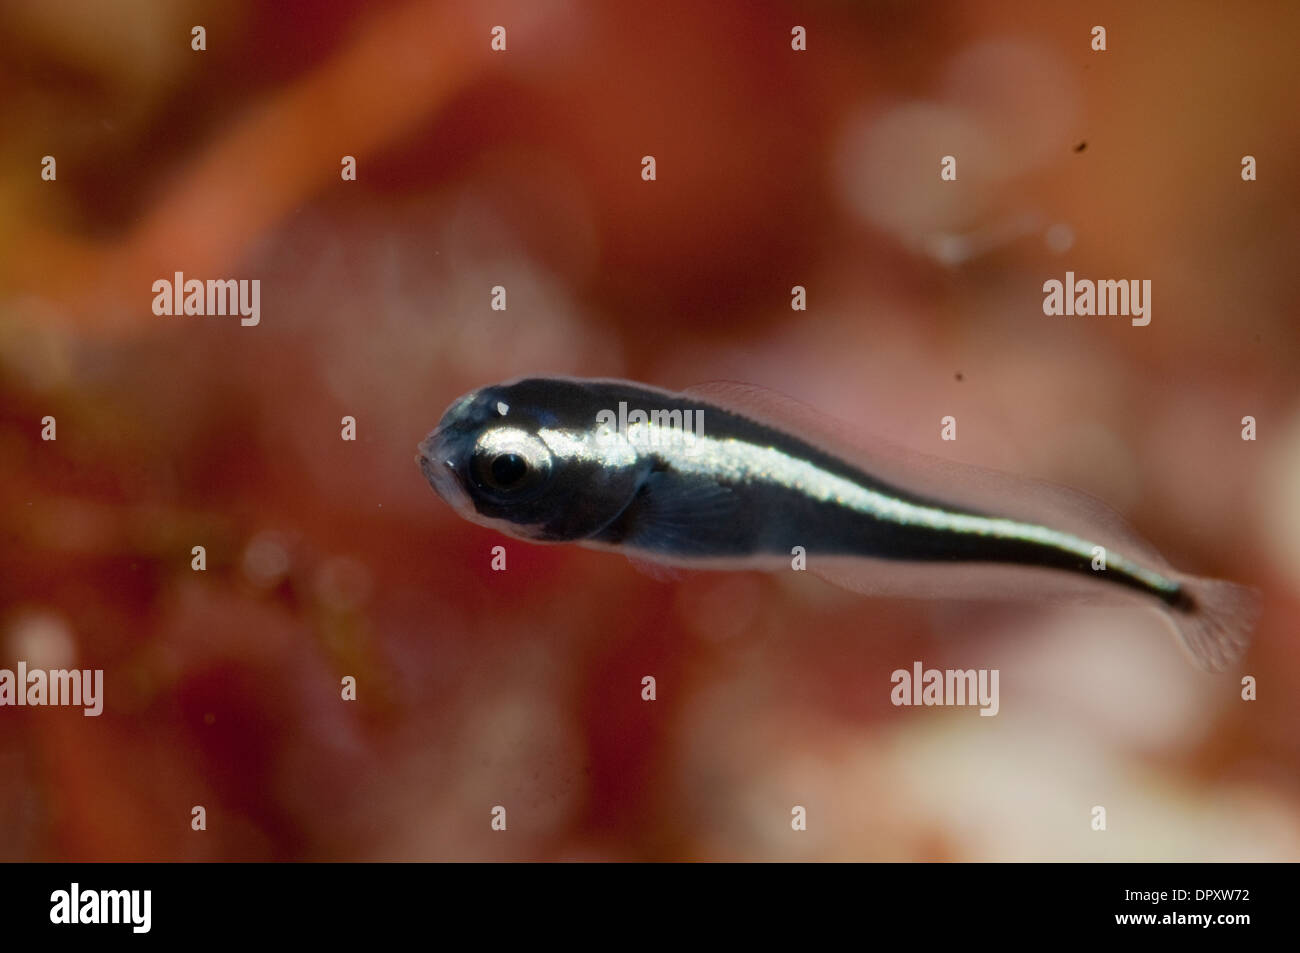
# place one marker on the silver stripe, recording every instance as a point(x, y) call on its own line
point(736, 461)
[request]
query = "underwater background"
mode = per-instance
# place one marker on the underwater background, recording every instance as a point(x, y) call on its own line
point(329, 558)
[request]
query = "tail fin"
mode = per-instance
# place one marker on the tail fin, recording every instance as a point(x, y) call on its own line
point(1216, 620)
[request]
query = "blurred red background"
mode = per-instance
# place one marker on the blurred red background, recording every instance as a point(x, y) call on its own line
point(522, 169)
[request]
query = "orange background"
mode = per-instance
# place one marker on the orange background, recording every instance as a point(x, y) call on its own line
point(775, 168)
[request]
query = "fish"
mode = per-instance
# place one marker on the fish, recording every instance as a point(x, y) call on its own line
point(729, 476)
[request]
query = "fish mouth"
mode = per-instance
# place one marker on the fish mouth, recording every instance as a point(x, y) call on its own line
point(438, 465)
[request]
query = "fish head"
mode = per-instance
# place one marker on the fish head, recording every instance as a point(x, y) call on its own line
point(528, 459)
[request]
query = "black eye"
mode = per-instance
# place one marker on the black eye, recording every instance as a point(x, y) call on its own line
point(507, 470)
point(510, 465)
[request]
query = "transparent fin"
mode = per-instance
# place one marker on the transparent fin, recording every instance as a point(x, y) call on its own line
point(682, 518)
point(1216, 629)
point(658, 571)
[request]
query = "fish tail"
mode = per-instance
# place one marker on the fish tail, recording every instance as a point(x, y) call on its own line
point(1214, 620)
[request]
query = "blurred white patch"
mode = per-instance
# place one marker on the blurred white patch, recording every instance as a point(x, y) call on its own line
point(343, 583)
point(1278, 501)
point(1059, 238)
point(1006, 107)
point(43, 640)
point(953, 250)
point(765, 808)
point(266, 560)
point(1114, 676)
point(36, 350)
point(1024, 91)
point(887, 166)
point(950, 249)
point(1093, 704)
point(1024, 793)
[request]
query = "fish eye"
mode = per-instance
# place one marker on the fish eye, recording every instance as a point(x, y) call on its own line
point(506, 470)
point(508, 461)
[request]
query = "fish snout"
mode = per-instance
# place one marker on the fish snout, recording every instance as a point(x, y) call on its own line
point(439, 466)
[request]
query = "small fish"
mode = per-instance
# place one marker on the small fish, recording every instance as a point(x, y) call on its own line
point(729, 476)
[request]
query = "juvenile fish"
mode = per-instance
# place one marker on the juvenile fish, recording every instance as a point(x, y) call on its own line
point(615, 465)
